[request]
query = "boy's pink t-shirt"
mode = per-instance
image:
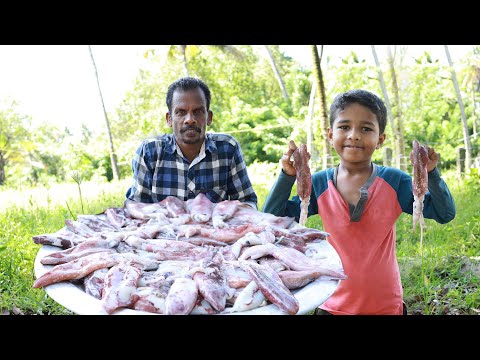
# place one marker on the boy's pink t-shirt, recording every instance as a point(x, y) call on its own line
point(374, 288)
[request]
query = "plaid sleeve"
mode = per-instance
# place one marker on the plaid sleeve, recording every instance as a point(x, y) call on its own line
point(141, 189)
point(239, 185)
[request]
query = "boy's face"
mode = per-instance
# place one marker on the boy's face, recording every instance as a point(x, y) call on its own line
point(355, 134)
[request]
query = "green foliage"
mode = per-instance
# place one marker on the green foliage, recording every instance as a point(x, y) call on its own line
point(17, 253)
point(13, 138)
point(29, 216)
point(472, 180)
point(431, 114)
point(247, 102)
point(246, 99)
point(262, 175)
point(445, 281)
point(260, 131)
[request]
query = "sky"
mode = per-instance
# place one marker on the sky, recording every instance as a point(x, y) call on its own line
point(57, 84)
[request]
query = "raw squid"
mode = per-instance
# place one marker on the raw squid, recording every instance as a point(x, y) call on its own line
point(419, 159)
point(149, 260)
point(301, 156)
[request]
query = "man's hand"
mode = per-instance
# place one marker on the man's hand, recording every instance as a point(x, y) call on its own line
point(286, 162)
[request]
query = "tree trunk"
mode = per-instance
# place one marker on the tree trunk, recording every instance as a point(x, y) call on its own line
point(113, 156)
point(466, 136)
point(311, 105)
point(2, 168)
point(474, 114)
point(327, 153)
point(183, 49)
point(398, 123)
point(277, 73)
point(387, 104)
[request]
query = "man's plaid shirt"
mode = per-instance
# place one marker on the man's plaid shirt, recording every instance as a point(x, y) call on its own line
point(219, 171)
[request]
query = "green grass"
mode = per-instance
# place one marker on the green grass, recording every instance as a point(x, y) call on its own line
point(34, 212)
point(444, 281)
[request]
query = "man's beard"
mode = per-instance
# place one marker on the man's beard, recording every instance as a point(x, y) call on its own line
point(188, 140)
point(192, 141)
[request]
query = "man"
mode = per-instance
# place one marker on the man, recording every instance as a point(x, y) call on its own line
point(190, 161)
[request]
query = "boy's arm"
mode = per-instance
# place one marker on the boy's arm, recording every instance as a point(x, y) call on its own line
point(278, 203)
point(277, 200)
point(438, 203)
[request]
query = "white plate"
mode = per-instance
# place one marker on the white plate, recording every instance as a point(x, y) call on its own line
point(75, 299)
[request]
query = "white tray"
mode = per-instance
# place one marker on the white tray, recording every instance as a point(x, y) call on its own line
point(75, 299)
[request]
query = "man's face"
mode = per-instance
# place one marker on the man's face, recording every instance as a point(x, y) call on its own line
point(189, 117)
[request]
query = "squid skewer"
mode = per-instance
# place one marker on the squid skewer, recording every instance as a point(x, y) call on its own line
point(301, 156)
point(419, 159)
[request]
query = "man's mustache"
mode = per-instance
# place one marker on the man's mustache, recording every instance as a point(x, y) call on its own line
point(197, 129)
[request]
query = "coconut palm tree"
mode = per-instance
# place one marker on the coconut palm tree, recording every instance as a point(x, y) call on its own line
point(387, 100)
point(277, 73)
point(309, 121)
point(113, 156)
point(398, 123)
point(191, 50)
point(320, 86)
point(395, 121)
point(466, 136)
point(472, 82)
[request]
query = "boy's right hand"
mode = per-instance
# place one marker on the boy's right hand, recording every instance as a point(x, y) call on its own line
point(286, 162)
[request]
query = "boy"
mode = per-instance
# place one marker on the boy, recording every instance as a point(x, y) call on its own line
point(359, 203)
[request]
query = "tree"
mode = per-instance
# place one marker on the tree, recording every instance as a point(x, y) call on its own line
point(46, 155)
point(13, 138)
point(472, 82)
point(398, 123)
point(277, 73)
point(192, 50)
point(466, 135)
point(430, 108)
point(387, 100)
point(246, 99)
point(182, 49)
point(317, 70)
point(113, 156)
point(395, 120)
point(311, 106)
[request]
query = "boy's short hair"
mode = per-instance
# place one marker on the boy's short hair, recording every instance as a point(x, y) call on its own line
point(185, 84)
point(362, 97)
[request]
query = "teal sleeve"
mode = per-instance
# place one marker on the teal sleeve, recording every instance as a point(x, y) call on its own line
point(438, 203)
point(278, 203)
point(277, 200)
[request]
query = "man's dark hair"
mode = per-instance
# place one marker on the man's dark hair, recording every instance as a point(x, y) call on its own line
point(362, 97)
point(184, 84)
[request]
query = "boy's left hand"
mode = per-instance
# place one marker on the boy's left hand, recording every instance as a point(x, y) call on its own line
point(433, 158)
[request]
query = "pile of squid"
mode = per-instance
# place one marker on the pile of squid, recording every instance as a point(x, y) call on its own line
point(180, 257)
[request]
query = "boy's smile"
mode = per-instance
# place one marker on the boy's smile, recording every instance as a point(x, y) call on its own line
point(353, 147)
